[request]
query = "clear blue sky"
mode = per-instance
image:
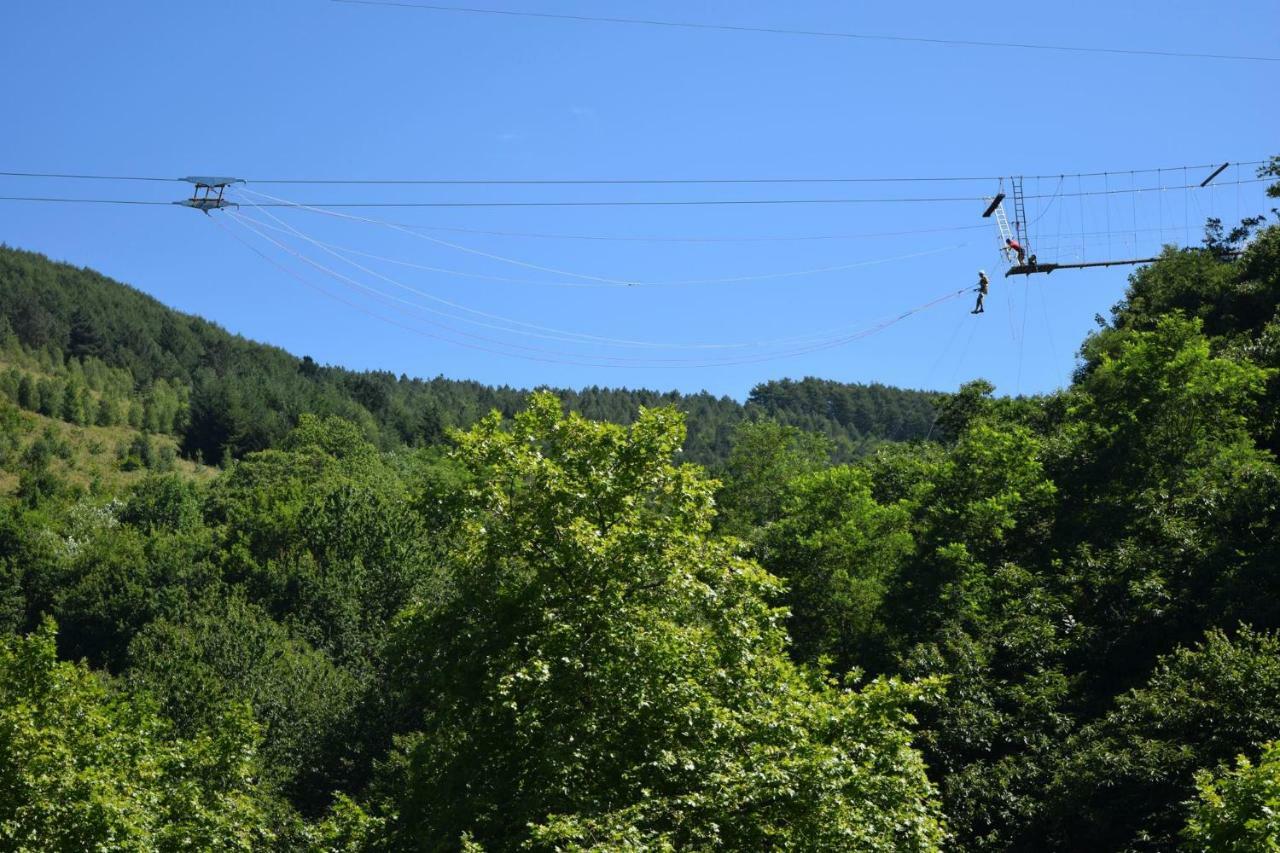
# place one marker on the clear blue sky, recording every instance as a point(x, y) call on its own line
point(314, 89)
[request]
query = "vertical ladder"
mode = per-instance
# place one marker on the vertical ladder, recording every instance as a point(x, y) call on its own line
point(1020, 215)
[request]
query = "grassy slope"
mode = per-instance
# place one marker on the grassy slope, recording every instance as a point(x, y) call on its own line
point(93, 454)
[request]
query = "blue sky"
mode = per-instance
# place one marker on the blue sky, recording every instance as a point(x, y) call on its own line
point(314, 89)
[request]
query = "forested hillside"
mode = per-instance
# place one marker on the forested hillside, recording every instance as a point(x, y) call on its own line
point(1053, 625)
point(80, 335)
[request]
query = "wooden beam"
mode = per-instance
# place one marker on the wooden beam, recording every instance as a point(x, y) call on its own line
point(995, 202)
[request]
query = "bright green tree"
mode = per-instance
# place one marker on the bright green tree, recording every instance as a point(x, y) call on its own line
point(1238, 811)
point(765, 457)
point(83, 767)
point(837, 549)
point(608, 677)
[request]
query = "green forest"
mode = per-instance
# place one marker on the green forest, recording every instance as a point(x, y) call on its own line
point(77, 346)
point(251, 602)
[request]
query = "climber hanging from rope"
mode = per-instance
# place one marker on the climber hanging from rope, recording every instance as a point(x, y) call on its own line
point(983, 288)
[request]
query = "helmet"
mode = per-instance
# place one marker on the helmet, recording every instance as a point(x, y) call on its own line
point(982, 272)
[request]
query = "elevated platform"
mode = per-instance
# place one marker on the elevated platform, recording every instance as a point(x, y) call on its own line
point(207, 194)
point(1029, 269)
point(206, 203)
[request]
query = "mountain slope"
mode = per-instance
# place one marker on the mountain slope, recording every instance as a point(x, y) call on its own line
point(240, 395)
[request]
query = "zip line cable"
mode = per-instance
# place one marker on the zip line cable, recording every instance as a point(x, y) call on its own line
point(442, 270)
point(82, 200)
point(363, 310)
point(75, 177)
point(778, 238)
point(278, 202)
point(386, 297)
point(264, 256)
point(668, 364)
point(329, 206)
point(615, 361)
point(650, 22)
point(409, 227)
point(335, 205)
point(414, 330)
point(636, 283)
point(579, 337)
point(613, 181)
point(756, 201)
point(560, 334)
point(555, 334)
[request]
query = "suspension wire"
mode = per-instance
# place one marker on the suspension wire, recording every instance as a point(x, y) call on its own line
point(415, 330)
point(595, 181)
point(442, 270)
point(436, 240)
point(1057, 194)
point(1038, 210)
point(388, 298)
point(1134, 202)
point(612, 361)
point(83, 200)
point(333, 205)
point(794, 32)
point(867, 332)
point(1084, 251)
point(700, 239)
point(1106, 183)
point(1200, 214)
point(328, 205)
point(1008, 299)
point(1022, 338)
point(637, 283)
point(77, 177)
point(553, 333)
point(1160, 200)
point(1186, 214)
point(1048, 326)
point(637, 203)
point(526, 264)
point(356, 306)
point(1057, 254)
point(813, 341)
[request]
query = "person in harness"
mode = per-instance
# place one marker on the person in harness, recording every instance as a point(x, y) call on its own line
point(1012, 245)
point(984, 287)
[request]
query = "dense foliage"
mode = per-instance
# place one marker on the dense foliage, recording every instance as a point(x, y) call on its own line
point(83, 348)
point(1054, 625)
point(84, 768)
point(1238, 810)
